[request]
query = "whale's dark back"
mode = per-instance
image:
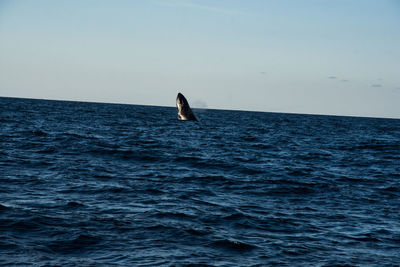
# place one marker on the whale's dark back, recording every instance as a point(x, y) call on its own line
point(184, 110)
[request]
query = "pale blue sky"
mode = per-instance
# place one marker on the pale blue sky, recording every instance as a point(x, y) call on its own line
point(312, 56)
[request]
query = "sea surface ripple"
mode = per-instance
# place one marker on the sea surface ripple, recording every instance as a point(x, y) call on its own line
point(89, 184)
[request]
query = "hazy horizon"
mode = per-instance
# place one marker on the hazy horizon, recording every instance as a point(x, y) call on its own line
point(308, 57)
point(195, 108)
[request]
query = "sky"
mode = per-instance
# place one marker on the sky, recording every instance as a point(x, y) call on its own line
point(336, 57)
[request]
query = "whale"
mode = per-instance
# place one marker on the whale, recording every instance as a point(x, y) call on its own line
point(185, 113)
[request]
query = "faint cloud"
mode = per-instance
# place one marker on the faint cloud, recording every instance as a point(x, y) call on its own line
point(376, 85)
point(199, 104)
point(263, 73)
point(336, 78)
point(192, 5)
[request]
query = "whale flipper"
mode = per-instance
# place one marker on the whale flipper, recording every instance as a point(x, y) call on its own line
point(185, 113)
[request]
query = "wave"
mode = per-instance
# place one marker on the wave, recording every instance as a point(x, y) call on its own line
point(97, 184)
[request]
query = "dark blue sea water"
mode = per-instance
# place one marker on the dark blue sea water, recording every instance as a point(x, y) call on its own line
point(87, 184)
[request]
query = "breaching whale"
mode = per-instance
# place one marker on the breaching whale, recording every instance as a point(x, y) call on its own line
point(184, 111)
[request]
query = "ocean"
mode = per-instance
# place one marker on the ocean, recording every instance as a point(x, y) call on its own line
point(92, 184)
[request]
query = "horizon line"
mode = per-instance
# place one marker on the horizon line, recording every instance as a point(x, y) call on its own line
point(240, 110)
